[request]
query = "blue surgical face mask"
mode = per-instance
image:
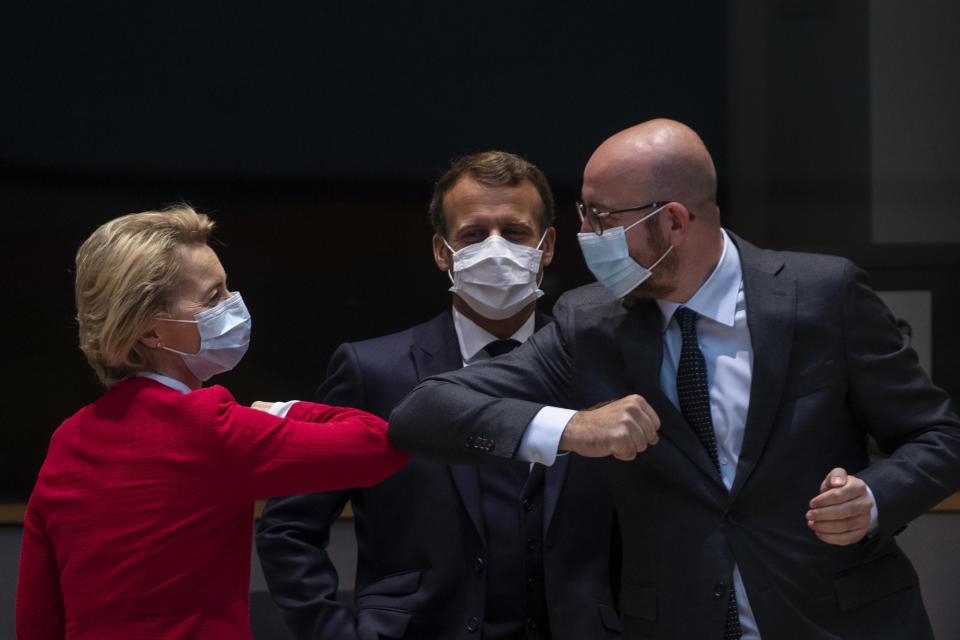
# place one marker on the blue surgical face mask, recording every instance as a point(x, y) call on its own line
point(608, 258)
point(224, 338)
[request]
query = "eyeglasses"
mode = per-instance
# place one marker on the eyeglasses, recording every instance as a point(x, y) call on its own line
point(595, 218)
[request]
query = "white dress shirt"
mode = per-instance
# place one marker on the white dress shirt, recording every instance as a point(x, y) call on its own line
point(166, 381)
point(724, 339)
point(473, 338)
point(725, 342)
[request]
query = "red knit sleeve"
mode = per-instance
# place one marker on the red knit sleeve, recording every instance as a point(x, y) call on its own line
point(40, 610)
point(315, 448)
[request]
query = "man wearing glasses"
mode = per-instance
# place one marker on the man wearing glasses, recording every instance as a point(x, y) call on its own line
point(499, 552)
point(730, 391)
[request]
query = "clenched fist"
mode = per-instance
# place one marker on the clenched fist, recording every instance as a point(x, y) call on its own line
point(840, 514)
point(621, 428)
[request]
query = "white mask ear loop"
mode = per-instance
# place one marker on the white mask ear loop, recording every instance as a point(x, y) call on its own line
point(160, 344)
point(450, 270)
point(542, 238)
point(660, 259)
point(649, 215)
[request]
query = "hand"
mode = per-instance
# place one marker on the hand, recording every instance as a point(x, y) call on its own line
point(259, 405)
point(620, 428)
point(840, 514)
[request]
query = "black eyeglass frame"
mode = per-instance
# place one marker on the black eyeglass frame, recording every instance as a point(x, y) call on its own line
point(594, 218)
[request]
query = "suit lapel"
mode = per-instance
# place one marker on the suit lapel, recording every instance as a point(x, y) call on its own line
point(771, 310)
point(640, 337)
point(434, 347)
point(435, 350)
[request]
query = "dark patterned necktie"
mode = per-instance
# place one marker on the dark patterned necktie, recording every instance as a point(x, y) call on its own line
point(499, 347)
point(694, 396)
point(692, 390)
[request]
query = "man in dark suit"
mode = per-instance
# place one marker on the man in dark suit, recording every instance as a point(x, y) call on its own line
point(495, 551)
point(740, 386)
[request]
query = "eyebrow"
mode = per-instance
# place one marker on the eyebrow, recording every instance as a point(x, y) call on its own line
point(505, 224)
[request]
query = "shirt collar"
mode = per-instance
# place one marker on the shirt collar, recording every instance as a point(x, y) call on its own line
point(473, 338)
point(717, 297)
point(167, 381)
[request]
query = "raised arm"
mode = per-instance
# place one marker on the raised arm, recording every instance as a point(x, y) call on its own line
point(314, 448)
point(479, 413)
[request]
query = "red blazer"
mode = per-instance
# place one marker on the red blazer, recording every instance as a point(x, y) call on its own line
point(141, 521)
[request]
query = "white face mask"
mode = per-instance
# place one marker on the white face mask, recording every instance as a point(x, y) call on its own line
point(496, 277)
point(224, 338)
point(608, 257)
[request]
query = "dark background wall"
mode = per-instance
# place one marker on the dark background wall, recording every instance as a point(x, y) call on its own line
point(312, 133)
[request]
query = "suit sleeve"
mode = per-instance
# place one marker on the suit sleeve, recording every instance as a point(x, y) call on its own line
point(479, 413)
point(294, 533)
point(912, 420)
point(40, 608)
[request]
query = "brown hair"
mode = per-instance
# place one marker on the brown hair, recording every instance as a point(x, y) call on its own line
point(127, 273)
point(491, 169)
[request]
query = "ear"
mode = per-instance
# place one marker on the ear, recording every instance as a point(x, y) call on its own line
point(677, 218)
point(442, 255)
point(549, 241)
point(149, 338)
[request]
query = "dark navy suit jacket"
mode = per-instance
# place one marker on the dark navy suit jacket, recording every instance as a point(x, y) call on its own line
point(829, 367)
point(422, 558)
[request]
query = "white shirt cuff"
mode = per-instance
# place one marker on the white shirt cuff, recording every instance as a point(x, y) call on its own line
point(874, 522)
point(280, 409)
point(542, 438)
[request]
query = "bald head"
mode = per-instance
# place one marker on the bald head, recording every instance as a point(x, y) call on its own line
point(658, 160)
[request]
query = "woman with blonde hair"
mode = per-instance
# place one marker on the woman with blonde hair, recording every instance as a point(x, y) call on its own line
point(141, 521)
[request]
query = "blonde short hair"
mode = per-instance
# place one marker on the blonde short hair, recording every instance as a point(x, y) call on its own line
point(128, 273)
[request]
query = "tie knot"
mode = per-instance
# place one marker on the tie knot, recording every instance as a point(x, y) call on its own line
point(499, 347)
point(687, 320)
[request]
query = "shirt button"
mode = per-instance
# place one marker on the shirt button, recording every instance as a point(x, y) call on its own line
point(531, 544)
point(531, 623)
point(527, 504)
point(719, 589)
point(474, 624)
point(724, 461)
point(478, 564)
